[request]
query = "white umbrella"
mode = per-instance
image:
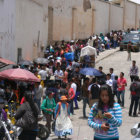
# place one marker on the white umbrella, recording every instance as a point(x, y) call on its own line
point(88, 50)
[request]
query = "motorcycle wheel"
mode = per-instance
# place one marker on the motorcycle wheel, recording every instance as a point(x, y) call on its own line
point(43, 132)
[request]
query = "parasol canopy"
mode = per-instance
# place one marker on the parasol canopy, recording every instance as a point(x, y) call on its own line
point(19, 74)
point(26, 63)
point(90, 72)
point(6, 61)
point(41, 61)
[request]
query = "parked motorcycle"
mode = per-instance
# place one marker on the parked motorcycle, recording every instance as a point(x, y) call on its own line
point(10, 132)
point(135, 131)
point(43, 132)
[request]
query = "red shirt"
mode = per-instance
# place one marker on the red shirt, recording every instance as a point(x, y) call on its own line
point(71, 93)
point(121, 84)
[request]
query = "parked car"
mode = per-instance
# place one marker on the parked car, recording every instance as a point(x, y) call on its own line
point(135, 40)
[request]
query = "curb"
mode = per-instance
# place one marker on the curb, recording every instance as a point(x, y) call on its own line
point(106, 56)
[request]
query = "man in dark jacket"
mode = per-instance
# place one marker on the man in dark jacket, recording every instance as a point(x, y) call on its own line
point(135, 94)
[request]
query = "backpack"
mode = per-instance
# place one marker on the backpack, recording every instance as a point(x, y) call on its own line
point(95, 91)
point(133, 88)
point(60, 108)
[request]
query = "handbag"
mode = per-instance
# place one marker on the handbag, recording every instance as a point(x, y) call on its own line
point(28, 121)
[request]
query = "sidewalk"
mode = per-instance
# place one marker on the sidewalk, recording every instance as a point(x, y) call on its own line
point(106, 54)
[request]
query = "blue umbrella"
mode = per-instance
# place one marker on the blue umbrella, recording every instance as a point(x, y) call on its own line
point(90, 71)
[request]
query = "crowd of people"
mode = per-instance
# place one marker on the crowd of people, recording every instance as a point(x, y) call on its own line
point(62, 86)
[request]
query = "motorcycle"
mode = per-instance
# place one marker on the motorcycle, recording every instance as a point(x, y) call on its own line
point(43, 131)
point(135, 131)
point(10, 132)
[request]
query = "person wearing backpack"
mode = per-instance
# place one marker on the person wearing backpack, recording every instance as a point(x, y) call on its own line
point(27, 118)
point(134, 89)
point(93, 92)
point(63, 125)
point(48, 108)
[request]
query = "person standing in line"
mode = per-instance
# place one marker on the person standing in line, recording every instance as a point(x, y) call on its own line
point(115, 86)
point(109, 80)
point(85, 95)
point(70, 96)
point(38, 93)
point(58, 74)
point(102, 79)
point(48, 107)
point(112, 74)
point(134, 70)
point(115, 40)
point(134, 89)
point(43, 74)
point(63, 124)
point(74, 86)
point(93, 92)
point(105, 116)
point(29, 130)
point(122, 83)
point(129, 48)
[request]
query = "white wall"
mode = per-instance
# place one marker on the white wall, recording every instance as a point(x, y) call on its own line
point(101, 16)
point(138, 16)
point(30, 19)
point(7, 29)
point(116, 18)
point(130, 15)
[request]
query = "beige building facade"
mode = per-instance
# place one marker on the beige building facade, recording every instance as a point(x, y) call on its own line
point(28, 26)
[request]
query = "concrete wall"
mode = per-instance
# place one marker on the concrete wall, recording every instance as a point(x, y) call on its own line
point(69, 20)
point(130, 15)
point(138, 17)
point(116, 17)
point(30, 19)
point(7, 29)
point(82, 23)
point(101, 16)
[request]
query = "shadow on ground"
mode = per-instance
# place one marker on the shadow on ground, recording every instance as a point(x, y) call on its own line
point(83, 118)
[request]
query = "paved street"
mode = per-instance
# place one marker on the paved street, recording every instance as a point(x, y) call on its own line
point(119, 62)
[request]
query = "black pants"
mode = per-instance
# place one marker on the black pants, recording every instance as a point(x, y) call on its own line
point(28, 135)
point(111, 139)
point(132, 77)
point(134, 100)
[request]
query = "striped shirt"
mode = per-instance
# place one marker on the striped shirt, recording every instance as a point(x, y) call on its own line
point(114, 122)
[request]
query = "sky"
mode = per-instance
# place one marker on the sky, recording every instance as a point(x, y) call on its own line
point(137, 1)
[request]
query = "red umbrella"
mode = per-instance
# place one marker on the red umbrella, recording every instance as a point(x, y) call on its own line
point(7, 62)
point(19, 74)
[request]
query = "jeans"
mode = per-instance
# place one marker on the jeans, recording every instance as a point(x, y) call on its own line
point(121, 100)
point(38, 102)
point(71, 107)
point(75, 99)
point(85, 102)
point(134, 99)
point(115, 44)
point(28, 135)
